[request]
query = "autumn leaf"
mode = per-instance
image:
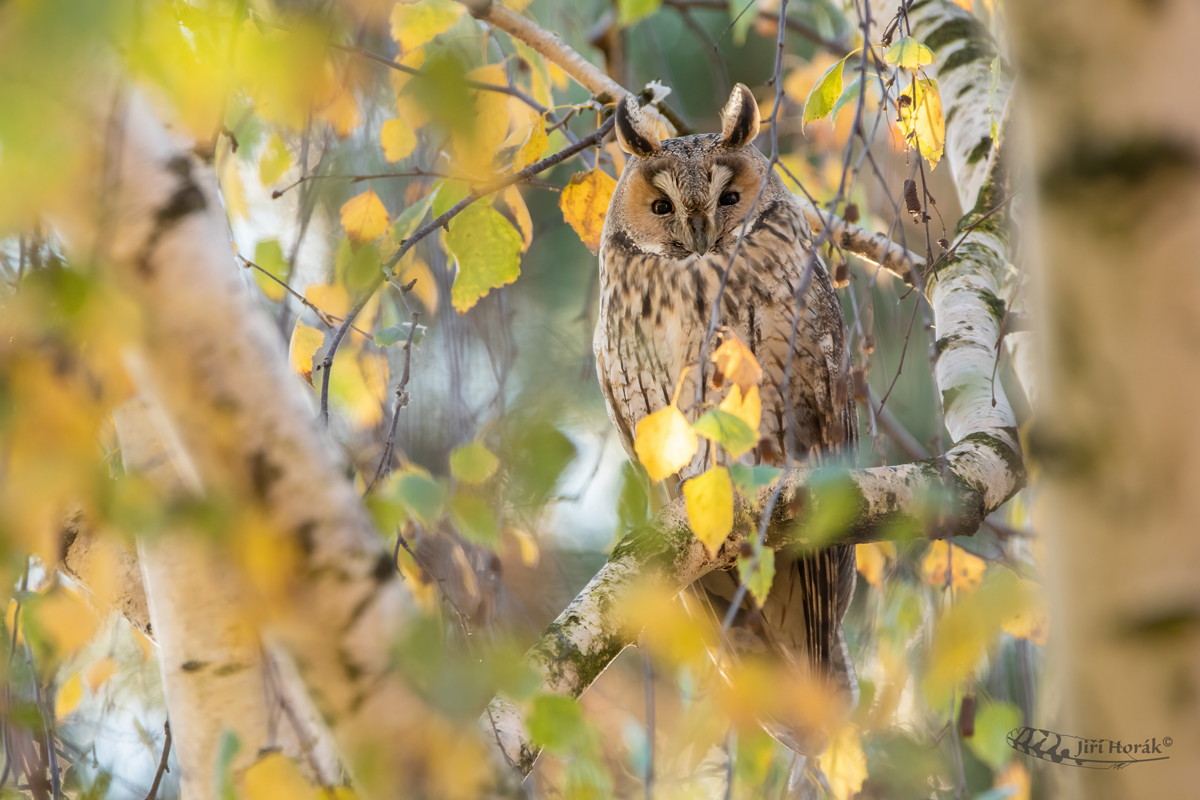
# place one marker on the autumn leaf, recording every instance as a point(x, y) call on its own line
point(473, 463)
point(68, 697)
point(909, 53)
point(872, 561)
point(410, 219)
point(845, 764)
point(516, 206)
point(358, 384)
point(967, 569)
point(735, 363)
point(65, 620)
point(824, 93)
point(487, 251)
point(747, 409)
point(921, 118)
point(758, 576)
point(99, 673)
point(425, 288)
point(664, 442)
point(397, 139)
point(709, 499)
point(341, 112)
point(630, 11)
point(364, 217)
point(414, 24)
point(584, 203)
point(476, 143)
point(276, 777)
point(305, 343)
point(732, 433)
point(274, 162)
point(536, 143)
point(268, 254)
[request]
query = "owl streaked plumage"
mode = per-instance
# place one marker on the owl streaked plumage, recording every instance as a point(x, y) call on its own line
point(672, 225)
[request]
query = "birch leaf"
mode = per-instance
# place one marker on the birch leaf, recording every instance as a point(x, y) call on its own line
point(410, 219)
point(909, 53)
point(737, 364)
point(358, 384)
point(921, 118)
point(872, 561)
point(274, 162)
point(65, 620)
point(305, 343)
point(941, 557)
point(398, 140)
point(425, 287)
point(709, 500)
point(99, 673)
point(534, 147)
point(516, 205)
point(748, 409)
point(824, 94)
point(276, 777)
point(732, 433)
point(992, 724)
point(664, 442)
point(758, 579)
point(845, 764)
point(69, 695)
point(364, 217)
point(473, 518)
point(269, 255)
point(630, 11)
point(421, 496)
point(849, 96)
point(487, 250)
point(473, 463)
point(749, 480)
point(584, 203)
point(414, 24)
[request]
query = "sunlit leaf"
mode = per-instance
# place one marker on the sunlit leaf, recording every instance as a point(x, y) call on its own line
point(584, 203)
point(68, 697)
point(473, 463)
point(305, 343)
point(1032, 622)
point(476, 143)
point(824, 93)
point(710, 507)
point(276, 777)
point(664, 442)
point(748, 409)
point(945, 562)
point(398, 140)
point(630, 11)
point(358, 385)
point(758, 576)
point(487, 251)
point(274, 162)
point(845, 764)
point(232, 189)
point(921, 118)
point(993, 721)
point(411, 218)
point(341, 111)
point(873, 559)
point(99, 673)
point(731, 432)
point(908, 52)
point(414, 24)
point(749, 480)
point(535, 145)
point(849, 96)
point(736, 364)
point(268, 254)
point(364, 217)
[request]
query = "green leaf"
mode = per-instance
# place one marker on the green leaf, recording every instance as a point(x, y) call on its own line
point(849, 96)
point(824, 94)
point(992, 724)
point(630, 11)
point(474, 520)
point(487, 249)
point(731, 432)
point(396, 333)
point(473, 463)
point(447, 193)
point(357, 268)
point(269, 255)
point(909, 53)
point(421, 495)
point(229, 747)
point(274, 162)
point(749, 480)
point(557, 724)
point(759, 579)
point(411, 218)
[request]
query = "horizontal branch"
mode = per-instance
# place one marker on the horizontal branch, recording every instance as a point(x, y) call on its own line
point(874, 247)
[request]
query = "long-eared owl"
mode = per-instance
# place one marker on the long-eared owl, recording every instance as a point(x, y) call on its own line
point(671, 229)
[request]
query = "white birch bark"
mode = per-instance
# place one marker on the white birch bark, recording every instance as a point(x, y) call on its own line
point(1114, 120)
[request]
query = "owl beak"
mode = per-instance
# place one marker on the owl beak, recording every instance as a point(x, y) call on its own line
point(702, 231)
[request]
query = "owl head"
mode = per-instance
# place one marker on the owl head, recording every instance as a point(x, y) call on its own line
point(690, 195)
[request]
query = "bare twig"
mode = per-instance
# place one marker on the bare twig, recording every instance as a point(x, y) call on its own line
point(794, 25)
point(162, 762)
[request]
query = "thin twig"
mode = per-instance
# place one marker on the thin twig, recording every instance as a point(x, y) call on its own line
point(162, 762)
point(416, 173)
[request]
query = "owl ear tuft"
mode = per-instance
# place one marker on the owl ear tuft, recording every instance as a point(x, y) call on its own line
point(636, 132)
point(739, 118)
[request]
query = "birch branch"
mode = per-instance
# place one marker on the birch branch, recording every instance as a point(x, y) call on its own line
point(876, 248)
point(945, 496)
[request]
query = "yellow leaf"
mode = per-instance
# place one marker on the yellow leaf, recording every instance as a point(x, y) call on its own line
point(1032, 622)
point(276, 777)
point(710, 507)
point(487, 252)
point(921, 118)
point(274, 162)
point(965, 5)
point(69, 695)
point(584, 203)
point(872, 561)
point(941, 558)
point(364, 217)
point(665, 442)
point(306, 342)
point(332, 299)
point(66, 620)
point(232, 189)
point(99, 673)
point(737, 364)
point(516, 204)
point(476, 145)
point(398, 140)
point(425, 288)
point(414, 24)
point(413, 58)
point(558, 76)
point(358, 384)
point(749, 410)
point(473, 463)
point(530, 553)
point(845, 764)
point(1013, 776)
point(342, 112)
point(536, 143)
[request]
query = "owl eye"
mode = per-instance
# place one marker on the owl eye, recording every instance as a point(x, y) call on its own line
point(729, 199)
point(661, 207)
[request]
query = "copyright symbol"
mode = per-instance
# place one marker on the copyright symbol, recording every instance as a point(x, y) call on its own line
point(1168, 741)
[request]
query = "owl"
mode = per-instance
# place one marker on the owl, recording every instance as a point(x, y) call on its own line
point(671, 229)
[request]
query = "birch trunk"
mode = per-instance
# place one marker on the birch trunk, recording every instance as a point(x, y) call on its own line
point(982, 470)
point(1115, 128)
